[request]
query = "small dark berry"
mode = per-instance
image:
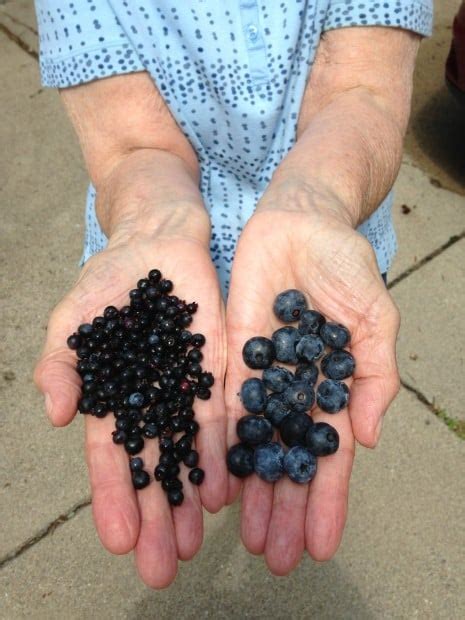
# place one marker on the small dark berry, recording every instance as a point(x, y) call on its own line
point(136, 464)
point(240, 460)
point(133, 445)
point(198, 340)
point(191, 459)
point(196, 476)
point(140, 479)
point(175, 497)
point(119, 437)
point(74, 342)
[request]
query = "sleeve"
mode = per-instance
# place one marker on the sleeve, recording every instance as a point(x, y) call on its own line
point(414, 15)
point(81, 41)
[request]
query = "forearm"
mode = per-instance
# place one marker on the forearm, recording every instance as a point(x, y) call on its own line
point(352, 124)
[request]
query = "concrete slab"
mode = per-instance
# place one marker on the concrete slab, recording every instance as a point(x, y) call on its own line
point(42, 190)
point(425, 216)
point(18, 17)
point(435, 138)
point(400, 557)
point(430, 348)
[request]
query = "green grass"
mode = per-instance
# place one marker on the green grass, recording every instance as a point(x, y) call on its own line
point(456, 426)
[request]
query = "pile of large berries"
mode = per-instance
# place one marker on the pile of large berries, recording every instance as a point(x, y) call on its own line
point(281, 400)
point(142, 364)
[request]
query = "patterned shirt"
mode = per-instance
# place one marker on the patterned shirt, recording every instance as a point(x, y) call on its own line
point(233, 75)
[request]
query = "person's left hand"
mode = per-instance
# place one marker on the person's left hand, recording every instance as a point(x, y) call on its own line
point(316, 251)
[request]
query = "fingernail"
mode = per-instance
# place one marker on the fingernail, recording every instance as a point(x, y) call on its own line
point(48, 405)
point(378, 429)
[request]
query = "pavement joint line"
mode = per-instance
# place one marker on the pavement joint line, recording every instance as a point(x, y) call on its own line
point(45, 531)
point(15, 20)
point(426, 259)
point(455, 426)
point(19, 42)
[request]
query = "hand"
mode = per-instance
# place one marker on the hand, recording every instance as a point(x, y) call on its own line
point(142, 520)
point(316, 251)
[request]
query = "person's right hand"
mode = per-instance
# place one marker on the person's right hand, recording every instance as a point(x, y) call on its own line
point(142, 520)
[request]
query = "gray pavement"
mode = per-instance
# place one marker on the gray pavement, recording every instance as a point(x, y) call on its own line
point(402, 555)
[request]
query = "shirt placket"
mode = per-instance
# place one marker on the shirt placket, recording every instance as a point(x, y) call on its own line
point(254, 40)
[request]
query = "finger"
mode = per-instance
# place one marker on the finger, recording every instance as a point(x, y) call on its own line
point(114, 502)
point(376, 379)
point(285, 541)
point(328, 491)
point(188, 519)
point(257, 503)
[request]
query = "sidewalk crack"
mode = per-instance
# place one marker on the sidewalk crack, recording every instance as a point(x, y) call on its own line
point(426, 259)
point(15, 20)
point(45, 531)
point(19, 42)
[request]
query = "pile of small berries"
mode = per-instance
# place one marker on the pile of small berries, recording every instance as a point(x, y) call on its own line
point(282, 399)
point(142, 364)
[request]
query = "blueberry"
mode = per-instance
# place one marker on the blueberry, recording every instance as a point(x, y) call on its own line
point(300, 464)
point(253, 395)
point(307, 372)
point(277, 379)
point(240, 460)
point(254, 429)
point(285, 340)
point(134, 445)
point(276, 409)
point(119, 437)
point(338, 365)
point(294, 427)
point(150, 430)
point(136, 464)
point(74, 341)
point(289, 305)
point(335, 335)
point(311, 322)
point(309, 348)
point(322, 439)
point(332, 396)
point(85, 329)
point(196, 475)
point(191, 459)
point(299, 396)
point(136, 399)
point(175, 497)
point(258, 352)
point(140, 479)
point(269, 461)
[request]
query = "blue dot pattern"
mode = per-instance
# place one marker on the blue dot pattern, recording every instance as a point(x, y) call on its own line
point(233, 75)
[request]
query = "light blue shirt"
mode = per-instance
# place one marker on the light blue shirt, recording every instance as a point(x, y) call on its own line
point(233, 75)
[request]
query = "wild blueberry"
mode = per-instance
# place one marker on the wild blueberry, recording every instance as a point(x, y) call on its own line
point(133, 445)
point(294, 427)
point(307, 372)
point(277, 379)
point(269, 461)
point(253, 395)
point(276, 409)
point(240, 460)
point(322, 439)
point(258, 352)
point(85, 404)
point(191, 459)
point(119, 437)
point(299, 396)
point(198, 340)
point(254, 429)
point(74, 341)
point(300, 464)
point(175, 497)
point(335, 335)
point(332, 396)
point(206, 379)
point(136, 463)
point(150, 430)
point(338, 365)
point(165, 444)
point(160, 472)
point(309, 348)
point(285, 340)
point(140, 479)
point(196, 475)
point(85, 329)
point(310, 322)
point(136, 399)
point(289, 305)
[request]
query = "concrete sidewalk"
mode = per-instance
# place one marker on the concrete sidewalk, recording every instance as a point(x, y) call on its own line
point(402, 555)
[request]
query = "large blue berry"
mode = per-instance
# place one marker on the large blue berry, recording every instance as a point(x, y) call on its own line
point(307, 372)
point(338, 365)
point(253, 395)
point(240, 460)
point(276, 409)
point(300, 464)
point(258, 352)
point(332, 396)
point(254, 429)
point(289, 305)
point(335, 335)
point(277, 379)
point(294, 428)
point(285, 340)
point(269, 461)
point(322, 439)
point(309, 348)
point(310, 322)
point(299, 396)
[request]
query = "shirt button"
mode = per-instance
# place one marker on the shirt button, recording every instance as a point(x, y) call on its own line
point(252, 32)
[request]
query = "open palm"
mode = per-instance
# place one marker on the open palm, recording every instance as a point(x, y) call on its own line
point(336, 269)
point(125, 519)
